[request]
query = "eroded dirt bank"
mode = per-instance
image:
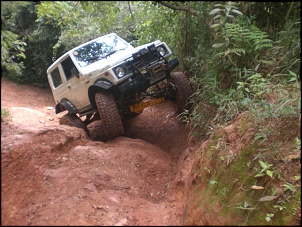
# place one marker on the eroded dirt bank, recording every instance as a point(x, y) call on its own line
point(55, 175)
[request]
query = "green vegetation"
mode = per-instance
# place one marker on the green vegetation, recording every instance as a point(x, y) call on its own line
point(4, 113)
point(243, 60)
point(243, 70)
point(266, 169)
point(244, 182)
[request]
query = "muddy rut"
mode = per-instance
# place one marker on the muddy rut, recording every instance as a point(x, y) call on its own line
point(56, 175)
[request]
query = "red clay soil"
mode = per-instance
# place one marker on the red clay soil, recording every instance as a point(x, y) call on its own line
point(56, 175)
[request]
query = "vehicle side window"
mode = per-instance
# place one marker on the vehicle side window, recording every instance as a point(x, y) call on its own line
point(67, 65)
point(56, 77)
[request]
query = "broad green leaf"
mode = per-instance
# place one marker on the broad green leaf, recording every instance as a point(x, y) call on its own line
point(215, 26)
point(228, 7)
point(212, 182)
point(245, 204)
point(278, 207)
point(214, 11)
point(270, 173)
point(268, 219)
point(256, 69)
point(293, 74)
point(217, 17)
point(289, 186)
point(264, 166)
point(259, 175)
point(22, 55)
point(219, 5)
point(236, 11)
point(222, 20)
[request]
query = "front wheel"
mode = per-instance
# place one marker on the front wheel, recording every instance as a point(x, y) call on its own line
point(183, 91)
point(109, 114)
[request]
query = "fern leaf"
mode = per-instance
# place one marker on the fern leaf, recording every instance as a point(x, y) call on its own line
point(216, 45)
point(237, 51)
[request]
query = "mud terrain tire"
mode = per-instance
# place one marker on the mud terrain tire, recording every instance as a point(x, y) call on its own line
point(96, 130)
point(74, 121)
point(109, 114)
point(183, 91)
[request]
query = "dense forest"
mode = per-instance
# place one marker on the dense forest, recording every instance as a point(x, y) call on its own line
point(240, 57)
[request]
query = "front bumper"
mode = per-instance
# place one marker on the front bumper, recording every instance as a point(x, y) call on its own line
point(148, 76)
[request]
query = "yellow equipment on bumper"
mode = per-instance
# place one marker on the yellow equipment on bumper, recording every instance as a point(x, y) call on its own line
point(139, 107)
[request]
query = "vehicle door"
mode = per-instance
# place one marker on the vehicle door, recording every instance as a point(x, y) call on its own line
point(56, 82)
point(76, 91)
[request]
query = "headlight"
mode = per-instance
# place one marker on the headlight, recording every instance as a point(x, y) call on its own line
point(161, 50)
point(120, 71)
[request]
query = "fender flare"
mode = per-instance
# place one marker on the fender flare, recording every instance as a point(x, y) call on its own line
point(65, 104)
point(100, 85)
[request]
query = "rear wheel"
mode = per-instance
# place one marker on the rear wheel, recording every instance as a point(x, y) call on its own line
point(110, 116)
point(74, 121)
point(96, 130)
point(183, 91)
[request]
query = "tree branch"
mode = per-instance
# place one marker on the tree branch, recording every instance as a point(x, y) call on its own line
point(187, 9)
point(130, 10)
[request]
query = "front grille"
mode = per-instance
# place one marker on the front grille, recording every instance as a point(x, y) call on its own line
point(145, 60)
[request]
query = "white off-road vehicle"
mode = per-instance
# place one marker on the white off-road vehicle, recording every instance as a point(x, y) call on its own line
point(108, 79)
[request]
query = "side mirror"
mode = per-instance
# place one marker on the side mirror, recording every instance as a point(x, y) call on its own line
point(75, 72)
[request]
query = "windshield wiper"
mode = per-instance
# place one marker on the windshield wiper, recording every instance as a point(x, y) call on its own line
point(92, 58)
point(112, 52)
point(105, 56)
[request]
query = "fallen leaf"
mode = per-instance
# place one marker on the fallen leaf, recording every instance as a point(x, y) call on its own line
point(268, 198)
point(257, 187)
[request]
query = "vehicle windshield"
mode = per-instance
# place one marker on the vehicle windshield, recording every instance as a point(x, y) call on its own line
point(99, 49)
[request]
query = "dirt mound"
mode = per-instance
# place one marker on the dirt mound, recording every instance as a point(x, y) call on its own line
point(56, 175)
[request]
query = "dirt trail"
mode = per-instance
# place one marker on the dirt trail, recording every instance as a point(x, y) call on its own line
point(55, 175)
